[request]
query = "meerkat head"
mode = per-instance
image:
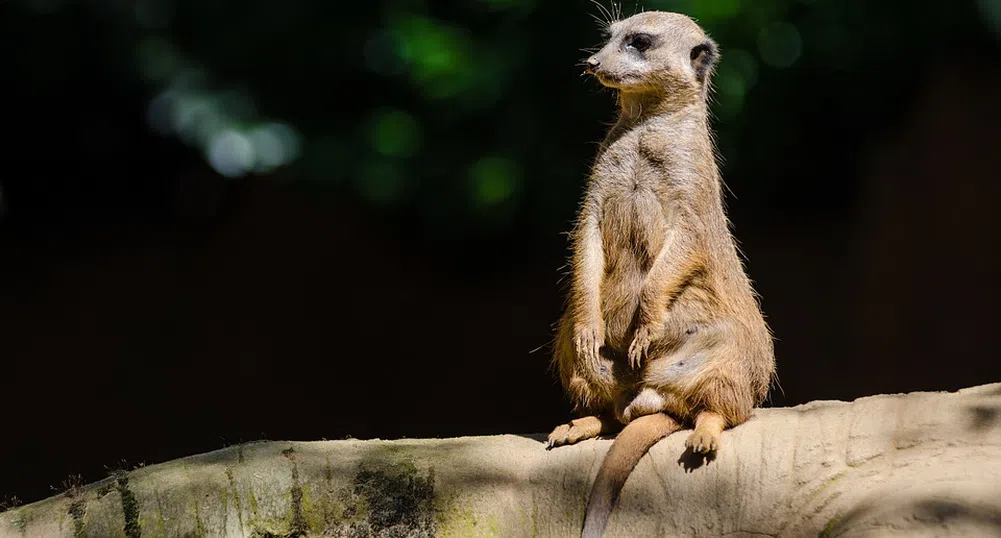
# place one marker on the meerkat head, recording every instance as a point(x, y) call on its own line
point(656, 52)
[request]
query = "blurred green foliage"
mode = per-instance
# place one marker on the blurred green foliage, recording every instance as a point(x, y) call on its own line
point(471, 116)
point(395, 133)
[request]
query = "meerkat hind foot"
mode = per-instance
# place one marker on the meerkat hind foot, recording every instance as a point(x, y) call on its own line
point(703, 441)
point(706, 437)
point(577, 430)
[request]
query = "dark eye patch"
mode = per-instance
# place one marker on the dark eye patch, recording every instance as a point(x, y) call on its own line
point(639, 42)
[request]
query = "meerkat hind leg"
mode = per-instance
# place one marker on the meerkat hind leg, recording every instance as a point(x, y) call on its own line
point(580, 429)
point(706, 437)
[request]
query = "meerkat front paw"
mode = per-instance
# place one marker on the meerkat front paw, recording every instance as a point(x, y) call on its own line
point(640, 345)
point(703, 441)
point(588, 339)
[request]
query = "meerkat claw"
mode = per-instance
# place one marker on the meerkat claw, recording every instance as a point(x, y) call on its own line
point(558, 437)
point(702, 442)
point(639, 348)
point(588, 345)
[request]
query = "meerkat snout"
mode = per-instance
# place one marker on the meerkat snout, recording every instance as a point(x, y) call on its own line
point(592, 65)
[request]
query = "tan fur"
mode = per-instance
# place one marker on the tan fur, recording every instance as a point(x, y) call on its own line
point(661, 317)
point(634, 441)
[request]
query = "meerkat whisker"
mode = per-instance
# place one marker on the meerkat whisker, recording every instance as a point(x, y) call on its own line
point(602, 23)
point(604, 13)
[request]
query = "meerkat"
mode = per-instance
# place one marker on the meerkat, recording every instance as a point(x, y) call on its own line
point(662, 329)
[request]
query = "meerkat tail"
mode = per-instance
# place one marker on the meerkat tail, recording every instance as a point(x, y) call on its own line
point(629, 446)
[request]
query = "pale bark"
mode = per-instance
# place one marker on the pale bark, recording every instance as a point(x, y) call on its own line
point(923, 464)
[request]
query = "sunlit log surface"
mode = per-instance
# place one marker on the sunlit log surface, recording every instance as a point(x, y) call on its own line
point(921, 464)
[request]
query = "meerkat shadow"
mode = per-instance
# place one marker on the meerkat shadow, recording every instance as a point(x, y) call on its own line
point(538, 437)
point(691, 460)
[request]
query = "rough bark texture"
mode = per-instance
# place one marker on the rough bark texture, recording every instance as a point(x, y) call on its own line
point(922, 464)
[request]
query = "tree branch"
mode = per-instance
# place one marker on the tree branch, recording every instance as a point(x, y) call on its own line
point(886, 465)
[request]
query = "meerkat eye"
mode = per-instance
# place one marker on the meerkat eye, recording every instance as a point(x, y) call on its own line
point(639, 42)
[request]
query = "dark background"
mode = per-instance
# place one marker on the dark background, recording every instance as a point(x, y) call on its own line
point(233, 220)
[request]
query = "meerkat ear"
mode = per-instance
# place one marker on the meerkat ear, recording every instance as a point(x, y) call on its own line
point(704, 57)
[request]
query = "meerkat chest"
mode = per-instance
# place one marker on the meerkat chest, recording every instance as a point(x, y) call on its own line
point(631, 164)
point(636, 202)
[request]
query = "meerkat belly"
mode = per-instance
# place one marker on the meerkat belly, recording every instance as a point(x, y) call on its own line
point(633, 228)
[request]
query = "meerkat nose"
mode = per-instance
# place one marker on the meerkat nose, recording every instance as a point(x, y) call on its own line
point(592, 63)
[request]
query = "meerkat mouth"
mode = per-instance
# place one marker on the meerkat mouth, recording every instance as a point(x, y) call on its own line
point(605, 78)
point(610, 80)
